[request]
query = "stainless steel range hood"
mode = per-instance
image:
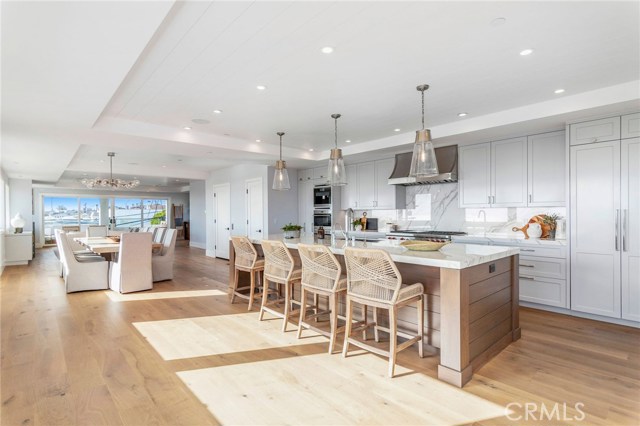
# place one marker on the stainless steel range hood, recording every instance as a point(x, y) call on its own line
point(447, 157)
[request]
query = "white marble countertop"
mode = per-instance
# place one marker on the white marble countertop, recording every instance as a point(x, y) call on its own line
point(452, 256)
point(507, 238)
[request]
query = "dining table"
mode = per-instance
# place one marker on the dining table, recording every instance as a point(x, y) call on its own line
point(108, 247)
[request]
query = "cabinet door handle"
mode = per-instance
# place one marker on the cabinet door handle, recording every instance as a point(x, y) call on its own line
point(527, 250)
point(594, 140)
point(624, 230)
point(489, 198)
point(527, 266)
point(527, 278)
point(493, 199)
point(617, 229)
point(529, 197)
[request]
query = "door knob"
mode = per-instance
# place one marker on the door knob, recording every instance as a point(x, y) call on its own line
point(259, 230)
point(226, 229)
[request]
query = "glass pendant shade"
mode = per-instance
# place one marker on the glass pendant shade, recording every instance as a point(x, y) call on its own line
point(423, 161)
point(281, 177)
point(337, 173)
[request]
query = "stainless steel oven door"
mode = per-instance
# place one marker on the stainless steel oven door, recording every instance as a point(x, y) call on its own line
point(322, 218)
point(322, 197)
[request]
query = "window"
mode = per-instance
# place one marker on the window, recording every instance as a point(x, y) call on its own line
point(154, 213)
point(58, 212)
point(89, 212)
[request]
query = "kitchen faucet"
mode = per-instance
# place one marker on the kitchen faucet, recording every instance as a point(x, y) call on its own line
point(484, 215)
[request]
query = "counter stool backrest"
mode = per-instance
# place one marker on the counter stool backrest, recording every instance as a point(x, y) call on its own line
point(278, 262)
point(320, 268)
point(372, 274)
point(246, 253)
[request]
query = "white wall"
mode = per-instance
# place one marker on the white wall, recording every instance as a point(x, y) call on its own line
point(21, 201)
point(4, 198)
point(198, 211)
point(38, 193)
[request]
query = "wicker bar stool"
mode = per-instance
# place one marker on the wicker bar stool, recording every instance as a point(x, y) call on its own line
point(280, 269)
point(321, 275)
point(373, 279)
point(247, 260)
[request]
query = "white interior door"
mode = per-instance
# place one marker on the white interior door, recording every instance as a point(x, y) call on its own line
point(630, 204)
point(222, 219)
point(255, 209)
point(595, 228)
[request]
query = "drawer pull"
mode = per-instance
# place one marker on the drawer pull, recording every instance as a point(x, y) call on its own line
point(532, 250)
point(527, 266)
point(527, 278)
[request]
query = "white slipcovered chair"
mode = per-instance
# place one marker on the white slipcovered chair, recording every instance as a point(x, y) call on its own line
point(77, 248)
point(96, 231)
point(162, 263)
point(82, 271)
point(132, 271)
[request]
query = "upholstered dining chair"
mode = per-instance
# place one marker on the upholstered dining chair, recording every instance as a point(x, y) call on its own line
point(162, 263)
point(132, 271)
point(82, 271)
point(246, 260)
point(321, 275)
point(280, 269)
point(373, 280)
point(159, 233)
point(96, 231)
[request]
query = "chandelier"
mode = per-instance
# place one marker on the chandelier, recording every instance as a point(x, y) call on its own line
point(111, 182)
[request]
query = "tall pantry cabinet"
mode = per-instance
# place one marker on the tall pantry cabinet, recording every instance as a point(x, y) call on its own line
point(605, 217)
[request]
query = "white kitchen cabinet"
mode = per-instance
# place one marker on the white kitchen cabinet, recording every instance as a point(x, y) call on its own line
point(320, 175)
point(493, 174)
point(366, 177)
point(595, 228)
point(546, 169)
point(305, 204)
point(630, 126)
point(474, 175)
point(509, 173)
point(630, 228)
point(305, 175)
point(350, 190)
point(606, 129)
point(385, 194)
point(18, 248)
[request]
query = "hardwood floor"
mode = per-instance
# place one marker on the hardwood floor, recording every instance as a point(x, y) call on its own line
point(81, 359)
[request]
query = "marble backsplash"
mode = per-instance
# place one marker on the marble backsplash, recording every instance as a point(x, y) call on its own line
point(435, 207)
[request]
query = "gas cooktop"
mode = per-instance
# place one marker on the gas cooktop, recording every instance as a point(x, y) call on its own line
point(423, 235)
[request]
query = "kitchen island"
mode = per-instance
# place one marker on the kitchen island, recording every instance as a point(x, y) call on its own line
point(471, 306)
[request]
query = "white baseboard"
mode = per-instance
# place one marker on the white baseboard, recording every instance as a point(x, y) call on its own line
point(202, 246)
point(564, 311)
point(211, 253)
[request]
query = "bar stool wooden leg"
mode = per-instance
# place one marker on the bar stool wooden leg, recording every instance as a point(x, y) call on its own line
point(287, 305)
point(252, 289)
point(235, 285)
point(316, 309)
point(303, 310)
point(421, 326)
point(265, 295)
point(333, 320)
point(347, 327)
point(365, 320)
point(393, 338)
point(376, 334)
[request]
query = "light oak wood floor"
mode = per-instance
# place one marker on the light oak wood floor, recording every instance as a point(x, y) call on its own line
point(84, 359)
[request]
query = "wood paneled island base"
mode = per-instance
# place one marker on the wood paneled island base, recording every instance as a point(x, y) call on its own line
point(471, 313)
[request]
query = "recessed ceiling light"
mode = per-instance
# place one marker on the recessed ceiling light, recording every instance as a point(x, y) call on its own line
point(498, 21)
point(187, 128)
point(102, 161)
point(200, 121)
point(348, 141)
point(164, 166)
point(558, 91)
point(258, 140)
point(227, 134)
point(526, 52)
point(261, 87)
point(396, 130)
point(311, 149)
point(327, 49)
point(462, 114)
point(217, 111)
point(84, 174)
point(179, 159)
point(133, 164)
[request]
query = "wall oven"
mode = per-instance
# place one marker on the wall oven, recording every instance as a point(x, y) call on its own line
point(321, 218)
point(322, 197)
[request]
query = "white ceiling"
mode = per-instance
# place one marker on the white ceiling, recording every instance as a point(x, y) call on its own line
point(83, 78)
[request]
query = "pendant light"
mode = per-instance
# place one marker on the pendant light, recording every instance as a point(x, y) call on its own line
point(337, 174)
point(423, 161)
point(281, 176)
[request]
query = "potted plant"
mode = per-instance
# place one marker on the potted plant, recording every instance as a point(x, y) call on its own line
point(291, 230)
point(357, 225)
point(551, 221)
